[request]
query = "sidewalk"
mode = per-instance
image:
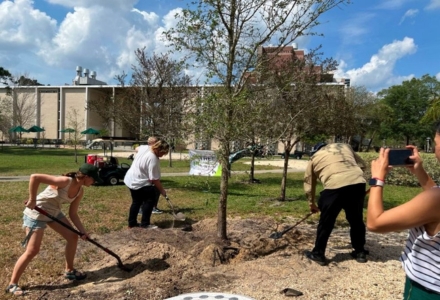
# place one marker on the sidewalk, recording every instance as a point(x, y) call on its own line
point(295, 166)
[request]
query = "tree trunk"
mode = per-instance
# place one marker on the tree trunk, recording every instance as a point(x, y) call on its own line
point(76, 154)
point(284, 179)
point(222, 204)
point(287, 148)
point(252, 171)
point(371, 141)
point(170, 158)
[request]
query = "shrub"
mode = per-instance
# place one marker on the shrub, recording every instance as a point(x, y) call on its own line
point(401, 176)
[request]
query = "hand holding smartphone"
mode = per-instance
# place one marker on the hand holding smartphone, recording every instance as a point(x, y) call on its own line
point(400, 157)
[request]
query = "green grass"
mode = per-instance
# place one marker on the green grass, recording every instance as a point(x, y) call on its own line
point(105, 208)
point(22, 161)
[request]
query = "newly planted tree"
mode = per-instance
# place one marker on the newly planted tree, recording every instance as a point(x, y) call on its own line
point(222, 37)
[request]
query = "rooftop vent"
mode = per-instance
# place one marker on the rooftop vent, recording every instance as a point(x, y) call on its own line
point(79, 70)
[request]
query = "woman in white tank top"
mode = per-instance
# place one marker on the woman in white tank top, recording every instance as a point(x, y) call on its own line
point(61, 189)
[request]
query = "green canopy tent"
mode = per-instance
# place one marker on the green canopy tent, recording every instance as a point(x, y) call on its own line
point(68, 130)
point(35, 128)
point(90, 130)
point(18, 129)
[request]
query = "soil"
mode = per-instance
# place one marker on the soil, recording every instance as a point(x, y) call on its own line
point(188, 258)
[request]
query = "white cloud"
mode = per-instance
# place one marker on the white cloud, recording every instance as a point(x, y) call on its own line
point(410, 13)
point(433, 4)
point(87, 38)
point(115, 4)
point(150, 18)
point(378, 72)
point(437, 76)
point(23, 27)
point(393, 4)
point(354, 29)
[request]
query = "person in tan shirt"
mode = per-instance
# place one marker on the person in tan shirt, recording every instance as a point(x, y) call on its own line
point(340, 170)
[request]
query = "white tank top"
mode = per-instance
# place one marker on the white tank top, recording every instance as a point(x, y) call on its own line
point(50, 200)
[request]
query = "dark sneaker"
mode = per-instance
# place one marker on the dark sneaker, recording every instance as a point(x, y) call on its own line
point(157, 211)
point(318, 258)
point(361, 256)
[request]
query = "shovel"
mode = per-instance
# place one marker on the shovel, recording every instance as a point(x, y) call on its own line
point(179, 216)
point(120, 264)
point(277, 235)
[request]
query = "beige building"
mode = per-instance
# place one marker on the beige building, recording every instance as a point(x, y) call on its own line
point(54, 107)
point(51, 107)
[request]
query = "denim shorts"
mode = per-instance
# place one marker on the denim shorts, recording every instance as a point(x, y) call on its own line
point(37, 224)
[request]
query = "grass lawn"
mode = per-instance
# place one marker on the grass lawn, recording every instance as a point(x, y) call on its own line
point(105, 208)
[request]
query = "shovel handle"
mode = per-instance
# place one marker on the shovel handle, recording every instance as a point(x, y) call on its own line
point(43, 212)
point(297, 223)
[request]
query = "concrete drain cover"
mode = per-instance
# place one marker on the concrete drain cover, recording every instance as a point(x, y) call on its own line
point(209, 296)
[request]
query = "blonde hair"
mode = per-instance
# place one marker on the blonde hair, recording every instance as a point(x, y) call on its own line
point(161, 146)
point(151, 140)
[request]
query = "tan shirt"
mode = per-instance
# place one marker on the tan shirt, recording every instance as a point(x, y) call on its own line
point(335, 165)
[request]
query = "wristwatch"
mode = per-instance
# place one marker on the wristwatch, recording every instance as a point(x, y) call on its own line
point(376, 182)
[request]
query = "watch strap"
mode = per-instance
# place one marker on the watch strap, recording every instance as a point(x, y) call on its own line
point(376, 182)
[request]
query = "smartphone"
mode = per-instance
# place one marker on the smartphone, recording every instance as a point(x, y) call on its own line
point(400, 157)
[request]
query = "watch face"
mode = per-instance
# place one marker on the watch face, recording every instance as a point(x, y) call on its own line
point(372, 181)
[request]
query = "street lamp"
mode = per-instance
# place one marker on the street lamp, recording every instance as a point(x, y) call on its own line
point(427, 144)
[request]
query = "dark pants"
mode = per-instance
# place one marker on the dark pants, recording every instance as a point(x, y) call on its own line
point(415, 291)
point(349, 198)
point(144, 197)
point(157, 197)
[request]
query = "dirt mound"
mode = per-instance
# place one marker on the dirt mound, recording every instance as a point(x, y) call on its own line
point(170, 262)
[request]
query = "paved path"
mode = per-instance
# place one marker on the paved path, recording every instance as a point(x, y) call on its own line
point(279, 171)
point(295, 166)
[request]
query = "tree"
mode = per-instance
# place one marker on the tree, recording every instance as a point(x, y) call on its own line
point(298, 94)
point(153, 102)
point(409, 103)
point(75, 121)
point(164, 89)
point(5, 76)
point(223, 36)
point(5, 108)
point(433, 113)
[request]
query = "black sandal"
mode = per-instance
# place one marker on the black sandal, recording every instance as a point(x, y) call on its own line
point(14, 289)
point(75, 275)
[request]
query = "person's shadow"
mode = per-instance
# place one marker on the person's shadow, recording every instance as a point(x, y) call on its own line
point(376, 249)
point(99, 276)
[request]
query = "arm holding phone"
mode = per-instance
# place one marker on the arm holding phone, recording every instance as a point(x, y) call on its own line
point(417, 169)
point(420, 215)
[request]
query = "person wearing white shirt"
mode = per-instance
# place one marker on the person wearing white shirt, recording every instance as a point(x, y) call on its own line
point(143, 181)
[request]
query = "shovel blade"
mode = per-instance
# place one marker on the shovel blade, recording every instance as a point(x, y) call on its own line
point(276, 235)
point(180, 216)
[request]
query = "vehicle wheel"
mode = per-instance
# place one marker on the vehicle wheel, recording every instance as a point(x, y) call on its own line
point(113, 180)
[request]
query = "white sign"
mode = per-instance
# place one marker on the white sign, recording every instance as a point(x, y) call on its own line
point(204, 163)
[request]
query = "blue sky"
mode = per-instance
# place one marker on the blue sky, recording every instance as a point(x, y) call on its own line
point(378, 43)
